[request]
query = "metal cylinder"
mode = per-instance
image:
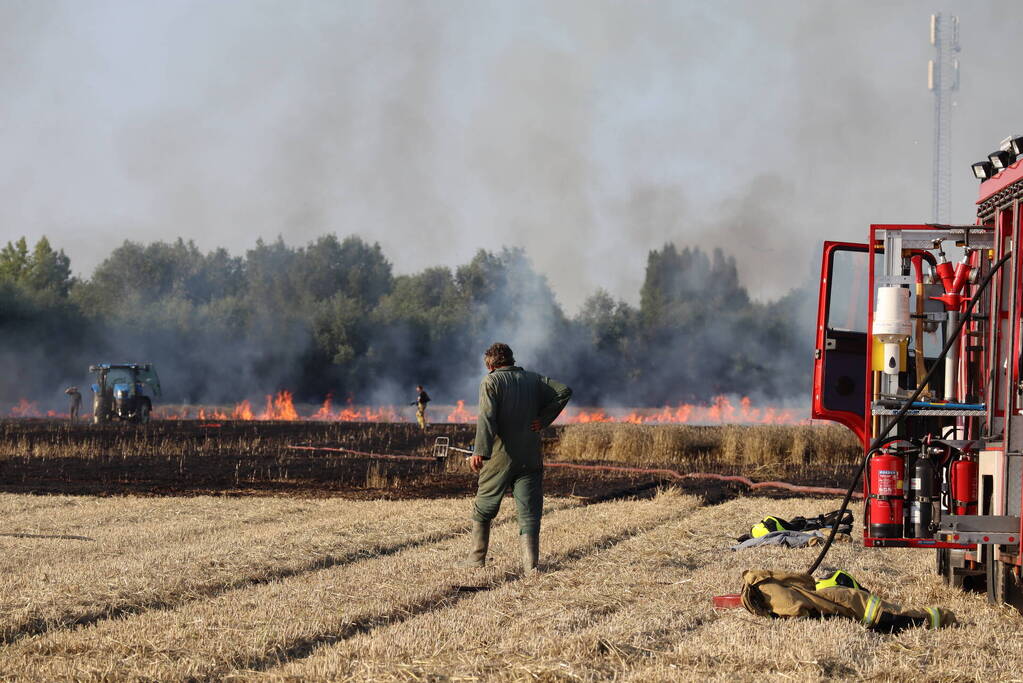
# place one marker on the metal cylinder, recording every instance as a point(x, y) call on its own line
point(921, 486)
point(962, 477)
point(952, 359)
point(884, 474)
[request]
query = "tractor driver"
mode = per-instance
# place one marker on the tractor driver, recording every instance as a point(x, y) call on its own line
point(76, 402)
point(514, 406)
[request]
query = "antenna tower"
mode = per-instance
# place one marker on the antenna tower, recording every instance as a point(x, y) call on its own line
point(943, 81)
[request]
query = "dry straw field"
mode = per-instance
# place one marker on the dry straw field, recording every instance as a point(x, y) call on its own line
point(254, 588)
point(800, 451)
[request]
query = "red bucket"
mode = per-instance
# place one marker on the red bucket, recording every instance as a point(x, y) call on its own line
point(729, 601)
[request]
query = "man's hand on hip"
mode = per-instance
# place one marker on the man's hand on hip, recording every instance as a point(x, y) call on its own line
point(476, 463)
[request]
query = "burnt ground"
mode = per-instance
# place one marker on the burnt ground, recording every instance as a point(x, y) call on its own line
point(192, 457)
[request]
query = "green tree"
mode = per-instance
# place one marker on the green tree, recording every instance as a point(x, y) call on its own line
point(14, 261)
point(43, 271)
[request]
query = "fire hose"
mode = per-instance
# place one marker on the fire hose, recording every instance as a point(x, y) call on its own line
point(881, 439)
point(662, 472)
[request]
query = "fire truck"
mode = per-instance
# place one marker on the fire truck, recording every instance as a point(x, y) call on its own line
point(918, 352)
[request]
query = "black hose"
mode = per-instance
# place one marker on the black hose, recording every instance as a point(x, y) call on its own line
point(878, 441)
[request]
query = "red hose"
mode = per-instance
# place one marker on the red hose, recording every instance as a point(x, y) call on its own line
point(735, 479)
point(669, 474)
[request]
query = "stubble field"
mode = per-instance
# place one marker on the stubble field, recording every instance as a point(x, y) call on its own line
point(288, 589)
point(327, 566)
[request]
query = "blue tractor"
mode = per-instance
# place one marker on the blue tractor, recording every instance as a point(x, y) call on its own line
point(123, 391)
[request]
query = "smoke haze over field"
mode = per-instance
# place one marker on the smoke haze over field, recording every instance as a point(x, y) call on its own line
point(586, 132)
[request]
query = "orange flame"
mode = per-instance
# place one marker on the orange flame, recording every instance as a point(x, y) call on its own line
point(324, 412)
point(242, 411)
point(460, 414)
point(25, 408)
point(281, 406)
point(720, 411)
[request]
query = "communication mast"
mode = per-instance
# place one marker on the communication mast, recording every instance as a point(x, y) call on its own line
point(943, 81)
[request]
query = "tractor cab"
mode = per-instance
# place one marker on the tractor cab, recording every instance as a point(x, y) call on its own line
point(124, 391)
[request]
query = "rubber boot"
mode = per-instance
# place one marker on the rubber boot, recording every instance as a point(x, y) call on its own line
point(530, 544)
point(480, 541)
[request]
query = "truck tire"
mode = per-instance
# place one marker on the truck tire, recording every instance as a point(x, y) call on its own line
point(1003, 586)
point(997, 579)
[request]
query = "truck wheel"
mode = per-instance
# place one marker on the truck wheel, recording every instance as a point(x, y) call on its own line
point(996, 578)
point(943, 565)
point(1003, 585)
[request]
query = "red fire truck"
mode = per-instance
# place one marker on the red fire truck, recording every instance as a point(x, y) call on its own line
point(918, 351)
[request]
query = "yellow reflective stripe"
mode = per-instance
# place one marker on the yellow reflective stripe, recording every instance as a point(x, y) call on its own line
point(935, 617)
point(872, 610)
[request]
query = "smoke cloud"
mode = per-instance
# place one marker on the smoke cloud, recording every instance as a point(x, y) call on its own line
point(585, 132)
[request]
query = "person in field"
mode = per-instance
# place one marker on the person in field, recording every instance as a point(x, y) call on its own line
point(422, 398)
point(76, 402)
point(514, 406)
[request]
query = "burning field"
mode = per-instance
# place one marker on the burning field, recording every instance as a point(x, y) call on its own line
point(281, 406)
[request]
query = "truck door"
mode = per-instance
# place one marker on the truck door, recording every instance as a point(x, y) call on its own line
point(840, 356)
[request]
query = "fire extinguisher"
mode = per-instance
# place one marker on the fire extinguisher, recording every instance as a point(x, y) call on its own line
point(885, 473)
point(921, 486)
point(962, 481)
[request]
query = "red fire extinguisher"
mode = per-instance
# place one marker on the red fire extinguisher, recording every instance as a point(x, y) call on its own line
point(887, 495)
point(962, 482)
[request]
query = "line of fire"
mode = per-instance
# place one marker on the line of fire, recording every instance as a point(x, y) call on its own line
point(282, 406)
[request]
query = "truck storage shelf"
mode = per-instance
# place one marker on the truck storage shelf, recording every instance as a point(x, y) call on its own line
point(934, 412)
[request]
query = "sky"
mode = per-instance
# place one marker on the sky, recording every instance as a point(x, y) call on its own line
point(587, 132)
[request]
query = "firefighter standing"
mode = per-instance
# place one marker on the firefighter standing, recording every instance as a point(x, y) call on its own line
point(76, 402)
point(422, 398)
point(514, 406)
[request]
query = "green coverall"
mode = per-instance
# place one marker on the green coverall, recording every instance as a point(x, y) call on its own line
point(510, 399)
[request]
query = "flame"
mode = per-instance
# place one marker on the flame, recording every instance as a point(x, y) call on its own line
point(25, 408)
point(720, 411)
point(324, 412)
point(281, 406)
point(242, 411)
point(460, 414)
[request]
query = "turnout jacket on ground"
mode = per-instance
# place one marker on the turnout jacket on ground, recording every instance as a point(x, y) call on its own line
point(510, 399)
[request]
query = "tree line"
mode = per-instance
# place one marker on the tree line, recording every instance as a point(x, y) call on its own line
point(332, 317)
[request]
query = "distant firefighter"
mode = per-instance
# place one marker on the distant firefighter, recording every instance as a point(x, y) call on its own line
point(514, 406)
point(76, 402)
point(422, 398)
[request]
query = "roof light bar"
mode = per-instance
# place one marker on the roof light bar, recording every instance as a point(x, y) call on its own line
point(1016, 145)
point(1001, 159)
point(983, 170)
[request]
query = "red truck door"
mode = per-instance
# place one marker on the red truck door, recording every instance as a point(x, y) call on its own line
point(840, 356)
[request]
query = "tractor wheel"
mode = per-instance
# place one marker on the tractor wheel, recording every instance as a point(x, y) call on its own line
point(144, 410)
point(99, 410)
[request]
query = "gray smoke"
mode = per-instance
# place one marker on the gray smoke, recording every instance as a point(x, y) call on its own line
point(586, 132)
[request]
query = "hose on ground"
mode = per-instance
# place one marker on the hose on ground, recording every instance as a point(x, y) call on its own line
point(880, 440)
point(665, 473)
